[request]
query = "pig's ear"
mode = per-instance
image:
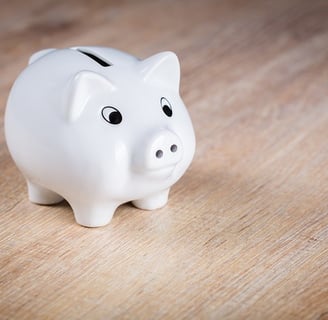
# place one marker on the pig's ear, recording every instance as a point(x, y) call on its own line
point(83, 86)
point(162, 69)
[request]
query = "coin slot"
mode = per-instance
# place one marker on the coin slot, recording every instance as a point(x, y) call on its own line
point(99, 60)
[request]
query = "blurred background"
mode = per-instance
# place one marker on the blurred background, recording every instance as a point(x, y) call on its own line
point(235, 42)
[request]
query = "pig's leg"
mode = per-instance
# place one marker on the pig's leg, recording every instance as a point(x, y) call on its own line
point(41, 195)
point(93, 214)
point(155, 201)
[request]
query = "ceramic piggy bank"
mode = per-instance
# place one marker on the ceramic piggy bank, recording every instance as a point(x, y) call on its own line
point(99, 127)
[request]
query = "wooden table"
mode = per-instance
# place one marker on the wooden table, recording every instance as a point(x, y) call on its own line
point(245, 233)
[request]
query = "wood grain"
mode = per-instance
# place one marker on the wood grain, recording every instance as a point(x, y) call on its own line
point(245, 234)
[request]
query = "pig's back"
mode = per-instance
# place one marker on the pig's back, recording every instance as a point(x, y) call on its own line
point(35, 115)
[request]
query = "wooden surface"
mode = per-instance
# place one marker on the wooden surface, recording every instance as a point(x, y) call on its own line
point(245, 234)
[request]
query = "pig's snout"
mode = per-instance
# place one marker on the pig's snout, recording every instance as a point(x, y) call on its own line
point(163, 151)
point(160, 152)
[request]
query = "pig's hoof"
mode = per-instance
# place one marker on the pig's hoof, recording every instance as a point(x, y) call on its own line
point(40, 195)
point(153, 202)
point(93, 216)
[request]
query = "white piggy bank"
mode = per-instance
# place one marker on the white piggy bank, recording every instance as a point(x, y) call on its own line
point(99, 127)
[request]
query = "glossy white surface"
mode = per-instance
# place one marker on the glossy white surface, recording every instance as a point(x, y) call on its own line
point(99, 136)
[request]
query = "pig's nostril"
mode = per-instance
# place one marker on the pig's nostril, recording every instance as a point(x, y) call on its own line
point(159, 154)
point(174, 148)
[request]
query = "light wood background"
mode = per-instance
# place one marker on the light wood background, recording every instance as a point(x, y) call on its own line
point(245, 233)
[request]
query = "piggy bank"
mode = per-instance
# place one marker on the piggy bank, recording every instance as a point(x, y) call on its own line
point(99, 127)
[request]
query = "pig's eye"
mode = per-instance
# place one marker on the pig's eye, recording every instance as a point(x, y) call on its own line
point(166, 107)
point(111, 115)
